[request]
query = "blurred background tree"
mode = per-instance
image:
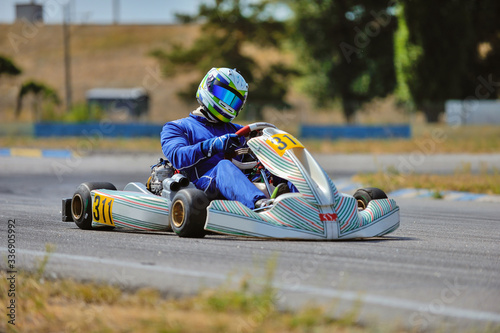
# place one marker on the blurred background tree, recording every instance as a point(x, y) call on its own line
point(41, 92)
point(446, 52)
point(345, 53)
point(7, 67)
point(227, 26)
point(345, 50)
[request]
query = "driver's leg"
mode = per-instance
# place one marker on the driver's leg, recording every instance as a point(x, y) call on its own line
point(225, 178)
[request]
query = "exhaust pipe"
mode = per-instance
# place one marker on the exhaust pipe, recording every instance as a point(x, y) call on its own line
point(181, 179)
point(176, 182)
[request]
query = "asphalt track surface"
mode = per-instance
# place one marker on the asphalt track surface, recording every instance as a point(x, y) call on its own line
point(439, 270)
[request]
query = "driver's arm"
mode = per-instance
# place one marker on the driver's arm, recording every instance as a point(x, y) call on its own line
point(177, 148)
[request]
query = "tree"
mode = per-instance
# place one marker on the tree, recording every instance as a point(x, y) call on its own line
point(227, 26)
point(41, 92)
point(447, 52)
point(345, 49)
point(7, 67)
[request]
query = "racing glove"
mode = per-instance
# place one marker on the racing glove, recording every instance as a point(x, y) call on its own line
point(226, 143)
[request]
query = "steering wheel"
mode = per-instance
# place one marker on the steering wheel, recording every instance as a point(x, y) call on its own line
point(249, 131)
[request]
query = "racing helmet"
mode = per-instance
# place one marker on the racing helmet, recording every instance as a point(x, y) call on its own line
point(222, 94)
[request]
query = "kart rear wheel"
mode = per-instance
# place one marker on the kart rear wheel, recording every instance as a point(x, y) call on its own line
point(81, 203)
point(188, 213)
point(365, 195)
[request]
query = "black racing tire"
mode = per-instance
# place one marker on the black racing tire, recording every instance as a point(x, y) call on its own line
point(365, 195)
point(188, 213)
point(81, 203)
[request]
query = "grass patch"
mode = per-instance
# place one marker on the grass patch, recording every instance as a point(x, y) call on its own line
point(428, 139)
point(46, 305)
point(66, 305)
point(464, 180)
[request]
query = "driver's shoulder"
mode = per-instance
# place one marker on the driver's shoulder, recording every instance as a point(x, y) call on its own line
point(236, 127)
point(182, 122)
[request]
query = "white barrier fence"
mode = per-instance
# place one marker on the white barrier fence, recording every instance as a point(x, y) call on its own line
point(472, 112)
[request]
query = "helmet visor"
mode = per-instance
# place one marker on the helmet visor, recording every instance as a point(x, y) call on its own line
point(227, 95)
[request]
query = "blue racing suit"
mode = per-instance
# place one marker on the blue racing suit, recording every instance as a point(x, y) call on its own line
point(181, 142)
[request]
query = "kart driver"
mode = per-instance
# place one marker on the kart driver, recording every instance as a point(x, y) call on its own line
point(197, 144)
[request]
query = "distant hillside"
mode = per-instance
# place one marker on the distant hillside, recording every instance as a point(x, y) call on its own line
point(117, 56)
point(102, 56)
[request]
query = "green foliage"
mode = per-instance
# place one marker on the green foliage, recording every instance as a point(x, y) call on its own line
point(345, 50)
point(80, 113)
point(244, 300)
point(405, 55)
point(439, 54)
point(437, 194)
point(41, 93)
point(227, 26)
point(7, 67)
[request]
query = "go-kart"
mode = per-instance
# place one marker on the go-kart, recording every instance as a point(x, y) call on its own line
point(169, 201)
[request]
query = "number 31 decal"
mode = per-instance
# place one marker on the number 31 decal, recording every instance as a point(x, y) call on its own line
point(282, 142)
point(101, 211)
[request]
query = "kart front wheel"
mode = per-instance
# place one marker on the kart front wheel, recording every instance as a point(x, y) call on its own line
point(81, 203)
point(365, 195)
point(188, 213)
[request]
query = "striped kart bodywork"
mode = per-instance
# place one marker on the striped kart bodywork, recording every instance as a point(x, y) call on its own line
point(291, 217)
point(379, 218)
point(302, 215)
point(135, 210)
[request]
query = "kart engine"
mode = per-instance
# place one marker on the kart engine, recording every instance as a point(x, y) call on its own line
point(159, 172)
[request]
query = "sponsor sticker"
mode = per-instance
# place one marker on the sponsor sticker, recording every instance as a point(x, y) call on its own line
point(328, 217)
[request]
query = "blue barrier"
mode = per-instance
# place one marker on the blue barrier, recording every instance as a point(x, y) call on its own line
point(354, 131)
point(104, 129)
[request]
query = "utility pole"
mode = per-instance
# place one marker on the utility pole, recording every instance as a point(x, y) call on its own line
point(116, 11)
point(67, 56)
